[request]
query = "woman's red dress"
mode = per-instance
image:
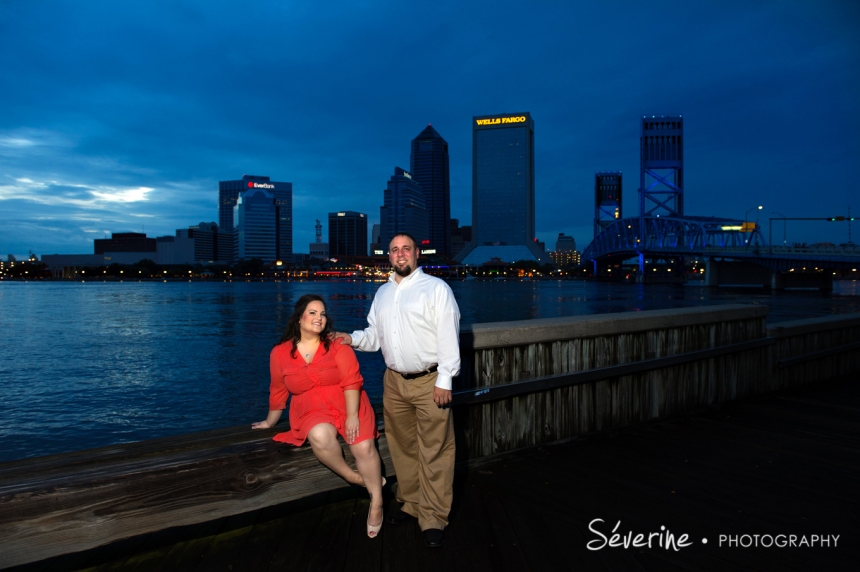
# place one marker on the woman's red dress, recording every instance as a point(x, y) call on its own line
point(317, 389)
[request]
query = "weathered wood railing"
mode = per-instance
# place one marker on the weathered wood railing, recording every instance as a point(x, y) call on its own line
point(522, 384)
point(815, 349)
point(581, 375)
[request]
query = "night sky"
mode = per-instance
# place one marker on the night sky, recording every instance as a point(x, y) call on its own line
point(123, 116)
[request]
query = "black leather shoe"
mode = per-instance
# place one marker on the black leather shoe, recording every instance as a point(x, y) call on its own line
point(398, 516)
point(434, 537)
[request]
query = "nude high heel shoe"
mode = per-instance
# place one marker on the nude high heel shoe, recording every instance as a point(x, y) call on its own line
point(373, 531)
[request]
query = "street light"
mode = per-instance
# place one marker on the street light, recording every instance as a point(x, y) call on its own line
point(746, 216)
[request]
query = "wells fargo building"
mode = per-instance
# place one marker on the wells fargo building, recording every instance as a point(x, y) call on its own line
point(503, 187)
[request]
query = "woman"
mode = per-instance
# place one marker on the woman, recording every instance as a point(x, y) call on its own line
point(325, 383)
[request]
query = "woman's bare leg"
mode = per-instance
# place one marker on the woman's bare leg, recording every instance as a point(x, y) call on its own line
point(370, 468)
point(323, 440)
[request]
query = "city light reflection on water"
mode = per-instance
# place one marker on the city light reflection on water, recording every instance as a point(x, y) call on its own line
point(94, 364)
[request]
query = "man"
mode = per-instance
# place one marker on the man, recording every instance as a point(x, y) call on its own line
point(415, 320)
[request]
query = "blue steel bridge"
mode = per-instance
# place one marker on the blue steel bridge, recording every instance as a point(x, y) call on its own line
point(716, 240)
point(662, 235)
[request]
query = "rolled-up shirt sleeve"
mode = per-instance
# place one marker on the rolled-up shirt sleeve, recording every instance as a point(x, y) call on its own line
point(278, 393)
point(347, 367)
point(447, 336)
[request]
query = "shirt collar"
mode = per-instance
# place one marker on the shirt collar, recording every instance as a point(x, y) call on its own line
point(405, 279)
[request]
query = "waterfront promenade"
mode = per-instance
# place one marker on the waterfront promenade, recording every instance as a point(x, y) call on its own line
point(786, 463)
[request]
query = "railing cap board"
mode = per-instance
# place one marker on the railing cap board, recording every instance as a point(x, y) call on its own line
point(812, 325)
point(141, 456)
point(500, 334)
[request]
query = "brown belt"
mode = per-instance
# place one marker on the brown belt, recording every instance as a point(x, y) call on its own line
point(427, 371)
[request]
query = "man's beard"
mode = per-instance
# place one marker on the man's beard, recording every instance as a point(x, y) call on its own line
point(405, 271)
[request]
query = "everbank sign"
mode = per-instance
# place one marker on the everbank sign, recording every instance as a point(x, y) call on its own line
point(253, 185)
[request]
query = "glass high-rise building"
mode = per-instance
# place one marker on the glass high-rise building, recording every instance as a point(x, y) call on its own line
point(503, 190)
point(255, 226)
point(347, 234)
point(428, 165)
point(282, 194)
point(403, 210)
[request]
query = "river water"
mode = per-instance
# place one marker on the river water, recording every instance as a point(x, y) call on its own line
point(94, 364)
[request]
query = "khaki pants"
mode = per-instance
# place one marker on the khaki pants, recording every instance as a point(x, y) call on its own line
point(420, 439)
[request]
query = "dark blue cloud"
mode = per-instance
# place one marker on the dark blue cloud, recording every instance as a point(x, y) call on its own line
point(111, 98)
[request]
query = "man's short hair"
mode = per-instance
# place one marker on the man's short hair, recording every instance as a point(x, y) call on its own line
point(407, 235)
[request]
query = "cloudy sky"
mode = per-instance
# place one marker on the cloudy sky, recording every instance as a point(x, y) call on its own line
point(123, 116)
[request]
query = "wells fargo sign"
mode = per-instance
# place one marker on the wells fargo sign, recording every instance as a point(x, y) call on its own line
point(501, 120)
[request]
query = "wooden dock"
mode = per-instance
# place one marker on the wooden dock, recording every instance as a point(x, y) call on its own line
point(787, 463)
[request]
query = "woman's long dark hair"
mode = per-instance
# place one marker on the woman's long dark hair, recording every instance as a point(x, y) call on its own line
point(292, 333)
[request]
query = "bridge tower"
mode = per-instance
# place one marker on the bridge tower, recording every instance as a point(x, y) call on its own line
point(661, 174)
point(607, 199)
point(661, 166)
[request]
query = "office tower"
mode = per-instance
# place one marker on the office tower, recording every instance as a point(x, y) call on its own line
point(210, 245)
point(375, 248)
point(347, 234)
point(460, 236)
point(565, 253)
point(428, 165)
point(503, 190)
point(607, 199)
point(282, 195)
point(404, 210)
point(565, 243)
point(255, 226)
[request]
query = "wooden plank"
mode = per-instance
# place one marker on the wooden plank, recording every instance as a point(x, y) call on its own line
point(504, 537)
point(363, 553)
point(472, 535)
point(333, 530)
point(113, 500)
point(297, 531)
point(155, 548)
point(187, 550)
point(224, 550)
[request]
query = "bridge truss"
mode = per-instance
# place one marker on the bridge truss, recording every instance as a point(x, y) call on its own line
point(671, 236)
point(717, 238)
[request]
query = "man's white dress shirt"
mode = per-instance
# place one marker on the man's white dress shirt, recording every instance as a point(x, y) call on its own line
point(417, 325)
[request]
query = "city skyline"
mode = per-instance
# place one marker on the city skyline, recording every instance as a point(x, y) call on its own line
point(131, 128)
